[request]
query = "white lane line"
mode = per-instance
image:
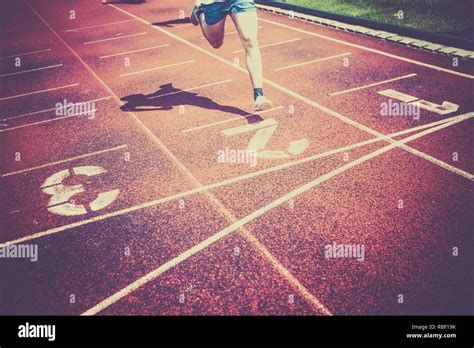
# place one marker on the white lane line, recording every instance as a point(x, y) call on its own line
point(307, 295)
point(272, 44)
point(233, 180)
point(372, 50)
point(192, 89)
point(27, 71)
point(65, 160)
point(26, 53)
point(230, 120)
point(100, 25)
point(312, 61)
point(115, 38)
point(292, 93)
point(47, 110)
point(372, 84)
point(157, 68)
point(42, 122)
point(438, 162)
point(134, 51)
point(249, 218)
point(232, 32)
point(42, 91)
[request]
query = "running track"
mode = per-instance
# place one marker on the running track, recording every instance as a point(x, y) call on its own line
point(177, 232)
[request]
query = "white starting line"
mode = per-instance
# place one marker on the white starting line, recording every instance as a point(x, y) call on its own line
point(26, 53)
point(45, 121)
point(100, 25)
point(312, 61)
point(51, 109)
point(134, 51)
point(37, 92)
point(66, 160)
point(157, 68)
point(115, 38)
point(31, 70)
point(373, 84)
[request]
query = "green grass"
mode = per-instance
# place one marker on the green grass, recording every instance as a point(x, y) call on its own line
point(442, 16)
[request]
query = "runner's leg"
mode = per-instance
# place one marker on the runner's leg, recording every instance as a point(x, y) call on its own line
point(247, 27)
point(214, 34)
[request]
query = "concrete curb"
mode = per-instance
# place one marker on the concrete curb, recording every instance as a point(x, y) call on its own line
point(385, 35)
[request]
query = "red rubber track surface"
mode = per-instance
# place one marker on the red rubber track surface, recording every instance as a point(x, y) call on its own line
point(409, 205)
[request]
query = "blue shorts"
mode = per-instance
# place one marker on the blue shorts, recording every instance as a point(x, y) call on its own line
point(217, 11)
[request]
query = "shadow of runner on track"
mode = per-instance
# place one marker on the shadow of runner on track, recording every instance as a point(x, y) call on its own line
point(167, 97)
point(169, 24)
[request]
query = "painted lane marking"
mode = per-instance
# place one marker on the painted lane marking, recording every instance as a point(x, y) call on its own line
point(31, 70)
point(45, 121)
point(443, 109)
point(65, 160)
point(61, 202)
point(373, 84)
point(99, 25)
point(264, 131)
point(157, 68)
point(37, 92)
point(26, 53)
point(115, 38)
point(47, 110)
point(134, 51)
point(313, 61)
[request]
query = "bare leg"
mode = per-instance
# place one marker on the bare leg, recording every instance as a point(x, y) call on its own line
point(247, 27)
point(214, 34)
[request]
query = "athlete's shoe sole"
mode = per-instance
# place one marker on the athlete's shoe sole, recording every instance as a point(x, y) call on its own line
point(262, 103)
